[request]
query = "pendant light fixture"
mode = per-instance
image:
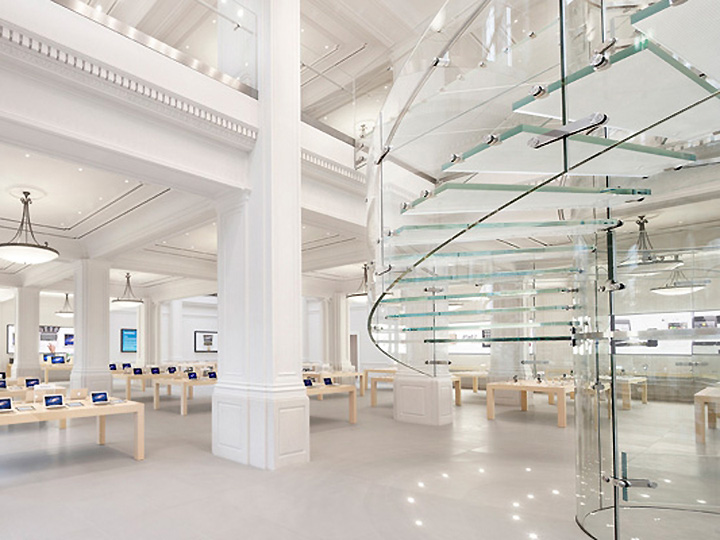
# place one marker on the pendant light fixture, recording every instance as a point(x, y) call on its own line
point(67, 310)
point(23, 248)
point(679, 284)
point(128, 298)
point(646, 261)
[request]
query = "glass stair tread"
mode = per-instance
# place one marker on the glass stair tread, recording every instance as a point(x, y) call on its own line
point(500, 339)
point(508, 274)
point(643, 85)
point(466, 312)
point(497, 255)
point(488, 326)
point(452, 198)
point(409, 235)
point(685, 30)
point(470, 296)
point(514, 156)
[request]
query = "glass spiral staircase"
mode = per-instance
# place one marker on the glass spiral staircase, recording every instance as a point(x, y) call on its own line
point(519, 144)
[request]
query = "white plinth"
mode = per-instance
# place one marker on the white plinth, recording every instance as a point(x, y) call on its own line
point(419, 399)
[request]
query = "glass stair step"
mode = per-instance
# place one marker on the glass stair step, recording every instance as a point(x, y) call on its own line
point(643, 85)
point(497, 255)
point(514, 156)
point(466, 312)
point(501, 339)
point(470, 296)
point(488, 326)
point(685, 30)
point(493, 275)
point(432, 235)
point(450, 198)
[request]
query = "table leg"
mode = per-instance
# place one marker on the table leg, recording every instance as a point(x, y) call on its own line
point(184, 400)
point(169, 389)
point(156, 396)
point(523, 400)
point(373, 393)
point(562, 408)
point(626, 397)
point(699, 422)
point(475, 385)
point(128, 391)
point(353, 406)
point(712, 415)
point(365, 373)
point(645, 393)
point(191, 392)
point(362, 384)
point(140, 434)
point(458, 395)
point(142, 383)
point(63, 423)
point(101, 430)
point(551, 398)
point(490, 403)
point(46, 375)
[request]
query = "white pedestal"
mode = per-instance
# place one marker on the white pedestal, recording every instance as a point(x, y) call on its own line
point(419, 399)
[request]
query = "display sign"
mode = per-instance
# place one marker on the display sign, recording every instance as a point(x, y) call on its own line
point(53, 339)
point(206, 341)
point(128, 340)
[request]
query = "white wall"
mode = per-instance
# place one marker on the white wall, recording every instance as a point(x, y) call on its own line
point(368, 354)
point(118, 321)
point(197, 313)
point(314, 327)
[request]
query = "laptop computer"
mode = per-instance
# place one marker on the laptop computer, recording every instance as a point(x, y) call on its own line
point(172, 369)
point(54, 401)
point(137, 371)
point(126, 366)
point(100, 398)
point(308, 382)
point(192, 375)
point(328, 381)
point(57, 360)
point(3, 383)
point(212, 375)
point(6, 405)
point(189, 369)
point(47, 357)
point(155, 371)
point(29, 383)
point(113, 367)
point(2, 375)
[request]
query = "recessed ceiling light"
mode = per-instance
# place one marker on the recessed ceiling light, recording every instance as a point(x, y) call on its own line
point(192, 247)
point(187, 46)
point(240, 12)
point(411, 500)
point(481, 470)
point(327, 47)
point(421, 484)
point(533, 536)
point(445, 475)
point(127, 181)
point(79, 212)
point(27, 155)
point(80, 169)
point(531, 496)
point(418, 523)
point(164, 241)
point(187, 234)
point(98, 8)
point(701, 501)
point(555, 492)
point(528, 469)
point(516, 505)
point(516, 518)
point(214, 21)
point(100, 198)
point(302, 30)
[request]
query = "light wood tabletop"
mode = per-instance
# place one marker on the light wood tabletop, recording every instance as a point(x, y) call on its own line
point(473, 375)
point(334, 375)
point(325, 390)
point(709, 397)
point(143, 380)
point(187, 386)
point(525, 387)
point(87, 410)
point(47, 367)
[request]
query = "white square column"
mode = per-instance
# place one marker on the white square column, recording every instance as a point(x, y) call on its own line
point(27, 332)
point(338, 332)
point(260, 406)
point(148, 334)
point(92, 326)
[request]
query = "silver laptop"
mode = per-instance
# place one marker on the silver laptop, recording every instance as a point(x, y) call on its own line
point(54, 401)
point(6, 405)
point(100, 398)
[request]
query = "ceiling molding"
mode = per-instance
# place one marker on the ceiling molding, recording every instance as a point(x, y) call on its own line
point(333, 172)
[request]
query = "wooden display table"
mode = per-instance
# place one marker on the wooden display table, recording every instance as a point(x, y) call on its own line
point(376, 370)
point(319, 375)
point(47, 367)
point(625, 383)
point(373, 389)
point(528, 387)
point(143, 379)
point(187, 386)
point(88, 410)
point(327, 390)
point(710, 396)
point(20, 392)
point(474, 375)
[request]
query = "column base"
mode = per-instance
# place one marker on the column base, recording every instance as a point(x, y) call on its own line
point(267, 427)
point(419, 399)
point(94, 380)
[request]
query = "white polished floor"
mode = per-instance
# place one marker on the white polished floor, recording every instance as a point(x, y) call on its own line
point(504, 480)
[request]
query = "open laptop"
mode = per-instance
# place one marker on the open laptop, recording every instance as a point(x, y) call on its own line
point(100, 398)
point(113, 367)
point(155, 371)
point(328, 381)
point(29, 383)
point(57, 360)
point(2, 375)
point(171, 369)
point(47, 357)
point(54, 401)
point(6, 405)
point(192, 375)
point(3, 383)
point(212, 375)
point(126, 366)
point(137, 371)
point(308, 382)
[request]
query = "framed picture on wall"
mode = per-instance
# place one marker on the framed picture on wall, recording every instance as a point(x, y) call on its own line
point(10, 339)
point(206, 341)
point(128, 340)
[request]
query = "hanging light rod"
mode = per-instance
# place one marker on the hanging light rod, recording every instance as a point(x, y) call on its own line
point(23, 248)
point(646, 261)
point(67, 310)
point(128, 298)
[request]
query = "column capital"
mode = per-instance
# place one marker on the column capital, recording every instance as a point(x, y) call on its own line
point(232, 202)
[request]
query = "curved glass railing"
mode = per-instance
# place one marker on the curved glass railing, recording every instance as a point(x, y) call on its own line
point(518, 139)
